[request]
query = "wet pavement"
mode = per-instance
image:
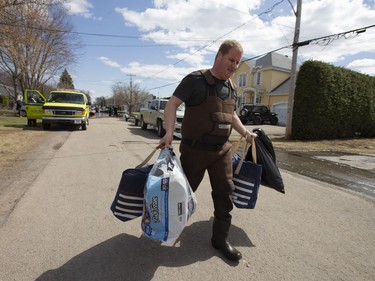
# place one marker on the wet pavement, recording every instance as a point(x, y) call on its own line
point(352, 172)
point(349, 171)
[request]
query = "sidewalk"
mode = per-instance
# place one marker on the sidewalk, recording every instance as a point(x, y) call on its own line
point(62, 228)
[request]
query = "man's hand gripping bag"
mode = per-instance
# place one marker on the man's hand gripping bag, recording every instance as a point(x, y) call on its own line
point(168, 199)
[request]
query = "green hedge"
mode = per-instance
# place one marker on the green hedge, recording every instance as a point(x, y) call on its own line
point(332, 103)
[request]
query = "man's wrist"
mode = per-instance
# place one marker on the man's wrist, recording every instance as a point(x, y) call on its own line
point(246, 133)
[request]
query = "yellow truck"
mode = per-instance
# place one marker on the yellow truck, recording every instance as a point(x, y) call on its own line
point(61, 107)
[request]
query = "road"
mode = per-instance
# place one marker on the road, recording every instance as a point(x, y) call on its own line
point(62, 228)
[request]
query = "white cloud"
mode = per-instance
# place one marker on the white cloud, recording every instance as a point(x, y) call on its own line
point(109, 62)
point(193, 30)
point(80, 8)
point(363, 65)
point(191, 25)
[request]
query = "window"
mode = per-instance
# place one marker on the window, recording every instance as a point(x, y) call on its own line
point(242, 80)
point(154, 105)
point(162, 104)
point(34, 97)
point(258, 78)
point(258, 99)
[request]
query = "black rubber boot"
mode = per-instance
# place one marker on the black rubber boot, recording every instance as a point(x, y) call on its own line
point(219, 240)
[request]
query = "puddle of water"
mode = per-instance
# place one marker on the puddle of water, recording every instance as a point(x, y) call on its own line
point(357, 161)
point(354, 172)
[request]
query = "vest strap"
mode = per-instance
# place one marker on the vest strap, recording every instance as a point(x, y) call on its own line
point(211, 80)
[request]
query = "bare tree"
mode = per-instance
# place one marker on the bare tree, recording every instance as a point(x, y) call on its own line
point(132, 97)
point(100, 102)
point(8, 3)
point(88, 94)
point(36, 42)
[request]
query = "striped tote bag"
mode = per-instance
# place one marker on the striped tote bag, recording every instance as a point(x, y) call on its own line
point(247, 177)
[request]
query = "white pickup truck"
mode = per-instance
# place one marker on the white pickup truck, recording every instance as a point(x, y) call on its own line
point(153, 115)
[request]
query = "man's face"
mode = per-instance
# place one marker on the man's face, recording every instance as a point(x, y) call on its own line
point(228, 63)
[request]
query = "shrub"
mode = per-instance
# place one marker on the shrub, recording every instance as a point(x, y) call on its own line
point(332, 103)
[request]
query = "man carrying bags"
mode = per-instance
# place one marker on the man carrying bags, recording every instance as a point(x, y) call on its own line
point(210, 99)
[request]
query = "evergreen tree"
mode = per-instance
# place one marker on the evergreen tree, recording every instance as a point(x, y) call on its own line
point(66, 81)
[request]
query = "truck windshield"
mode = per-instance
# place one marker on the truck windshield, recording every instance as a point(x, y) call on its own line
point(66, 98)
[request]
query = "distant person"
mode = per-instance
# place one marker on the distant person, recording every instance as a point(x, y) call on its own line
point(19, 105)
point(210, 115)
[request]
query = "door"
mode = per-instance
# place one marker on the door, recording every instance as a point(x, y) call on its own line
point(33, 103)
point(281, 110)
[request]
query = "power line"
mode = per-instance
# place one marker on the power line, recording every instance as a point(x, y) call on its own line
point(261, 55)
point(217, 39)
point(299, 44)
point(66, 31)
point(319, 40)
point(329, 38)
point(332, 37)
point(163, 86)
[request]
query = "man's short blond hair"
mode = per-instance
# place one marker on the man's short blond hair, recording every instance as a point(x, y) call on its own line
point(228, 45)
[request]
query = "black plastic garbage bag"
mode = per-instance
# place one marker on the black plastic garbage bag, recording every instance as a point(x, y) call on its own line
point(128, 201)
point(266, 157)
point(262, 136)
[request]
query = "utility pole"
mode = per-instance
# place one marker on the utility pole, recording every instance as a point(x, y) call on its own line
point(131, 93)
point(293, 74)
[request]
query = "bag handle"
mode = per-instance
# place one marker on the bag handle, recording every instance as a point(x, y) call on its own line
point(253, 153)
point(144, 162)
point(235, 148)
point(253, 149)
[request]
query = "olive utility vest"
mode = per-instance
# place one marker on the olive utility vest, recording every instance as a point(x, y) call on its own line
point(207, 126)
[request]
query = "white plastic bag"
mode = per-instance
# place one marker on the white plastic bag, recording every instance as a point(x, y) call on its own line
point(168, 199)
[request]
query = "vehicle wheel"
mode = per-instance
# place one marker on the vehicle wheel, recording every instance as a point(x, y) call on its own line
point(161, 131)
point(257, 120)
point(274, 121)
point(84, 125)
point(243, 121)
point(143, 124)
point(46, 126)
point(136, 122)
point(243, 112)
point(29, 123)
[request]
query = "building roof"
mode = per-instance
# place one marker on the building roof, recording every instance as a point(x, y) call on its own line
point(275, 60)
point(250, 64)
point(283, 88)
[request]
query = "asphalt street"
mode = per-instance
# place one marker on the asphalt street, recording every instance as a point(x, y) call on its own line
point(62, 227)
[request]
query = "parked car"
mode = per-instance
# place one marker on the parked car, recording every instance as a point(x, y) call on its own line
point(153, 115)
point(92, 111)
point(258, 114)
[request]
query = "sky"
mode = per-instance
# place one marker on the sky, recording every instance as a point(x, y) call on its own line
point(154, 44)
